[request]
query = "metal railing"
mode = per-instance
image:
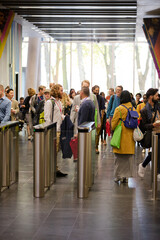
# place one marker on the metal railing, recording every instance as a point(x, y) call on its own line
point(9, 147)
point(86, 158)
point(45, 158)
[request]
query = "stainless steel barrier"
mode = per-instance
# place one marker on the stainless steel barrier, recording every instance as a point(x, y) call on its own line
point(86, 158)
point(10, 153)
point(1, 152)
point(45, 158)
point(154, 157)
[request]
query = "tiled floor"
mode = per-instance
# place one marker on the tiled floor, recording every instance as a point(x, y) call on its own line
point(111, 212)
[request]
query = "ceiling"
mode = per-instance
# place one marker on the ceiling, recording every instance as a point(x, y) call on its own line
point(83, 20)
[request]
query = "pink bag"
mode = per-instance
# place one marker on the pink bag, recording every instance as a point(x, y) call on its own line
point(74, 146)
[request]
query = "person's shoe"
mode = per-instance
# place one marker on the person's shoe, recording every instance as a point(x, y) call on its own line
point(124, 180)
point(141, 170)
point(101, 141)
point(117, 180)
point(60, 174)
point(144, 150)
point(97, 151)
point(75, 160)
point(29, 137)
point(104, 142)
point(149, 150)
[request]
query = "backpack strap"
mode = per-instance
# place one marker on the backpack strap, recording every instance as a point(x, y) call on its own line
point(120, 116)
point(127, 108)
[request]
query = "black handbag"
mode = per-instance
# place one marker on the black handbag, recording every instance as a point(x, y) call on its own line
point(146, 142)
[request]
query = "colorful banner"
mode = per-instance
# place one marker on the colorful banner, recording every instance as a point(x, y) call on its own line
point(151, 29)
point(6, 19)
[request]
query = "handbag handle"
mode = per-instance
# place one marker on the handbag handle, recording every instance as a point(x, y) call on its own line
point(120, 116)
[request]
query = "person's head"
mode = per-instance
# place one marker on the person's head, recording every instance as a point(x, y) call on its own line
point(31, 92)
point(102, 94)
point(111, 91)
point(85, 83)
point(138, 97)
point(72, 93)
point(6, 90)
point(96, 90)
point(41, 90)
point(47, 94)
point(51, 85)
point(119, 90)
point(10, 93)
point(125, 97)
point(1, 91)
point(21, 100)
point(93, 88)
point(152, 95)
point(144, 98)
point(84, 92)
point(57, 91)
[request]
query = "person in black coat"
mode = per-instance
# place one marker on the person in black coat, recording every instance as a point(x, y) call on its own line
point(87, 109)
point(150, 119)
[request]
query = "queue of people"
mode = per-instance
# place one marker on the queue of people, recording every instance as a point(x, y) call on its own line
point(53, 105)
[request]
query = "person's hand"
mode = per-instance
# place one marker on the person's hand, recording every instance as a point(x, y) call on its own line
point(12, 110)
point(99, 125)
point(76, 108)
point(156, 124)
point(107, 120)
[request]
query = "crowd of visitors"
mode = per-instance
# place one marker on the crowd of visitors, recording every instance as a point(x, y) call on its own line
point(53, 105)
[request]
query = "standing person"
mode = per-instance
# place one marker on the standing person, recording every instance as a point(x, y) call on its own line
point(76, 105)
point(111, 93)
point(5, 106)
point(87, 109)
point(138, 97)
point(66, 103)
point(101, 105)
point(113, 103)
point(35, 100)
point(8, 87)
point(124, 156)
point(150, 114)
point(103, 127)
point(27, 112)
point(53, 113)
point(40, 108)
point(14, 105)
point(72, 94)
point(21, 108)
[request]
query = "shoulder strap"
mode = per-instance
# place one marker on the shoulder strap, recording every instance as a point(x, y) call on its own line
point(53, 102)
point(120, 115)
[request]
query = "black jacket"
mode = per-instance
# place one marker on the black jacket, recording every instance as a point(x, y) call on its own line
point(146, 114)
point(67, 131)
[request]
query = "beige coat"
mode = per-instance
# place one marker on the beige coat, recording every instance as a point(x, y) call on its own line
point(14, 116)
point(127, 142)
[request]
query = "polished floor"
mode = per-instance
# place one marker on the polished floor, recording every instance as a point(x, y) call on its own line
point(111, 212)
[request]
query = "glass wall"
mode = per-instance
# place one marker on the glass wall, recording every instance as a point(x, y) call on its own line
point(103, 64)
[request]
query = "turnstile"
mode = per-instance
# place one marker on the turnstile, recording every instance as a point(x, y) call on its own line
point(86, 158)
point(45, 158)
point(9, 164)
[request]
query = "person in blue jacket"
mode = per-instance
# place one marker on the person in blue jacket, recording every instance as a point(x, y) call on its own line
point(113, 103)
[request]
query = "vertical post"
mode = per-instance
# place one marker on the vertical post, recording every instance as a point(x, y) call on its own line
point(155, 160)
point(1, 151)
point(47, 158)
point(82, 166)
point(6, 157)
point(38, 164)
point(53, 155)
point(14, 157)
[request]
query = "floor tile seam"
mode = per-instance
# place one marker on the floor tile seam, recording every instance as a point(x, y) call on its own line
point(42, 223)
point(73, 225)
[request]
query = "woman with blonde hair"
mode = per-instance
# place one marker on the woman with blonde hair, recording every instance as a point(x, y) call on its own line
point(66, 103)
